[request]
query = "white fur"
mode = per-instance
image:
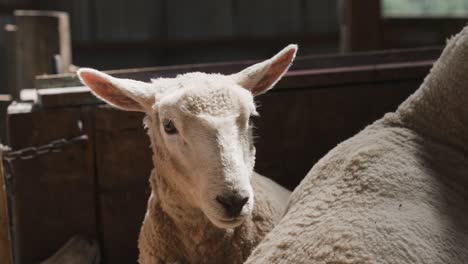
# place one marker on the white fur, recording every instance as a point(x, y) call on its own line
point(211, 155)
point(394, 193)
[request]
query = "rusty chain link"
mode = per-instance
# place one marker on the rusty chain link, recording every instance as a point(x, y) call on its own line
point(32, 152)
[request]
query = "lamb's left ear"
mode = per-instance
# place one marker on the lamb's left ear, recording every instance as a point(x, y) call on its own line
point(262, 76)
point(125, 94)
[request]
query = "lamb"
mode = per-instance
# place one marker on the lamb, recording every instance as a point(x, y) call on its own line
point(201, 208)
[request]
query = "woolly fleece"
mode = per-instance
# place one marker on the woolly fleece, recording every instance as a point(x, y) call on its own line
point(397, 192)
point(162, 240)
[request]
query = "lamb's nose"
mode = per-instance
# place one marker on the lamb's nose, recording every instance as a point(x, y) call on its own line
point(232, 203)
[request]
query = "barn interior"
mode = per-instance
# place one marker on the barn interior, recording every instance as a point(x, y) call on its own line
point(72, 165)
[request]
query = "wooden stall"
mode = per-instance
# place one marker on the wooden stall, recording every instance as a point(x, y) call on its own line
point(99, 186)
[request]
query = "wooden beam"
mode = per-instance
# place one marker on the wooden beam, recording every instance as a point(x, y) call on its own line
point(313, 78)
point(5, 100)
point(303, 77)
point(228, 42)
point(9, 8)
point(10, 52)
point(5, 240)
point(55, 191)
point(65, 97)
point(40, 35)
point(122, 182)
point(360, 25)
point(301, 63)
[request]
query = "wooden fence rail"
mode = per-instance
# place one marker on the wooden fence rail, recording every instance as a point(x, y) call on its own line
point(100, 188)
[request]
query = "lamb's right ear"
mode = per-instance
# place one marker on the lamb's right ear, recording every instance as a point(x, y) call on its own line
point(262, 76)
point(125, 94)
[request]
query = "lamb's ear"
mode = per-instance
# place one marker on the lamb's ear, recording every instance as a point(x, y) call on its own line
point(125, 94)
point(262, 76)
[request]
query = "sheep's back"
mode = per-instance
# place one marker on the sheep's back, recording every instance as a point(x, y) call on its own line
point(388, 195)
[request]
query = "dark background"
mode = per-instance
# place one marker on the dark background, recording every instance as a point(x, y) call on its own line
point(115, 34)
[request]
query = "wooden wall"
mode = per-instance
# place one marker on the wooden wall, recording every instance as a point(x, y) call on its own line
point(115, 34)
point(141, 20)
point(3, 56)
point(98, 189)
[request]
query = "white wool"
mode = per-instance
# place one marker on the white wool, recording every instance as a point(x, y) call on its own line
point(394, 193)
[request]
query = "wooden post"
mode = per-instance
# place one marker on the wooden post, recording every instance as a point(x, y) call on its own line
point(10, 45)
point(360, 23)
point(5, 100)
point(40, 35)
point(69, 208)
point(5, 242)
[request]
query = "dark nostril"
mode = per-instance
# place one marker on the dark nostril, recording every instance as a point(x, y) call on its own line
point(232, 204)
point(243, 201)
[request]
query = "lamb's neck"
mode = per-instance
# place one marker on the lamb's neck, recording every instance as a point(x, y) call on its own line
point(188, 221)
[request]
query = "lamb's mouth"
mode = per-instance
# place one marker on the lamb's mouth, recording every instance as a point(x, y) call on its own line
point(231, 222)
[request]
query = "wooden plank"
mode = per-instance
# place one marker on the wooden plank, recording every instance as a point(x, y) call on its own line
point(326, 76)
point(315, 78)
point(145, 19)
point(301, 62)
point(5, 101)
point(53, 195)
point(4, 20)
point(354, 75)
point(5, 241)
point(10, 52)
point(310, 62)
point(360, 25)
point(321, 16)
point(198, 19)
point(123, 174)
point(39, 36)
point(80, 16)
point(7, 7)
point(65, 97)
point(28, 95)
point(147, 53)
point(129, 20)
point(234, 42)
point(267, 17)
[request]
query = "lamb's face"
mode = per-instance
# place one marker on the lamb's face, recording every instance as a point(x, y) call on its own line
point(201, 130)
point(206, 135)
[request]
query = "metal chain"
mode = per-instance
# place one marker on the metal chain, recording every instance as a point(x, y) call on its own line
point(32, 152)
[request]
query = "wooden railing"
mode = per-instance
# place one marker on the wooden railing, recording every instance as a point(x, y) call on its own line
point(100, 188)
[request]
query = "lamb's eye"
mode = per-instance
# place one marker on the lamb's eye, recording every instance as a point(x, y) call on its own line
point(169, 127)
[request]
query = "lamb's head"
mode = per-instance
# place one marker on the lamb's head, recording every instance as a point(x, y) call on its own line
point(200, 130)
